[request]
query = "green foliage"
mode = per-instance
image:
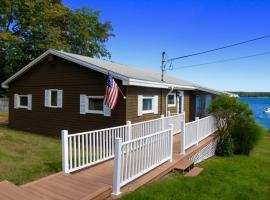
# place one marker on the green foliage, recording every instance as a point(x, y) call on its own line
point(30, 27)
point(245, 135)
point(225, 146)
point(238, 130)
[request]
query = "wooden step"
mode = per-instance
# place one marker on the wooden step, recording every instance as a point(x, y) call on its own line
point(9, 191)
point(194, 172)
point(184, 165)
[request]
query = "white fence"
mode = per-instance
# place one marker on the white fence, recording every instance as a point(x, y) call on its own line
point(136, 157)
point(197, 130)
point(84, 149)
point(3, 104)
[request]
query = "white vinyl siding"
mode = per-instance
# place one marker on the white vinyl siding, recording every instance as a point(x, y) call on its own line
point(23, 101)
point(52, 101)
point(147, 104)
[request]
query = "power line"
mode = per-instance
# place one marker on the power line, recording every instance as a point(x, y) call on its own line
point(222, 61)
point(219, 48)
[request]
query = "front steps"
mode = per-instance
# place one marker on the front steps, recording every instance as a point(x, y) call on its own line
point(194, 172)
point(184, 166)
point(187, 168)
point(9, 191)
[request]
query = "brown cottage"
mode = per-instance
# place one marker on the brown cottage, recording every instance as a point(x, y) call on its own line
point(60, 90)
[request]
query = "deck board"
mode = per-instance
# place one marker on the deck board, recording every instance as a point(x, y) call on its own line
point(96, 182)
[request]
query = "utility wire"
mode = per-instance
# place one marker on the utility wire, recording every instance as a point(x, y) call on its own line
point(220, 48)
point(222, 61)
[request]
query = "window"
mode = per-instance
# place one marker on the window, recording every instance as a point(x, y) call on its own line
point(198, 106)
point(147, 104)
point(23, 101)
point(53, 98)
point(171, 100)
point(95, 104)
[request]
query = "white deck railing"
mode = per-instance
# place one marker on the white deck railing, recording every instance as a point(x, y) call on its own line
point(146, 128)
point(89, 148)
point(136, 157)
point(80, 150)
point(198, 130)
point(4, 104)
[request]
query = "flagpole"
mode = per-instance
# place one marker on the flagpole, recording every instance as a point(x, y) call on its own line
point(121, 92)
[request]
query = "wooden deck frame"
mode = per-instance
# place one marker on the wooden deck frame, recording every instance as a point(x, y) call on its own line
point(96, 182)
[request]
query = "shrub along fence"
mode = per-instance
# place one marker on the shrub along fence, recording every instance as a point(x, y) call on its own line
point(3, 104)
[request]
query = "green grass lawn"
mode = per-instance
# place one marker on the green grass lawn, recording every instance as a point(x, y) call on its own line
point(237, 177)
point(25, 157)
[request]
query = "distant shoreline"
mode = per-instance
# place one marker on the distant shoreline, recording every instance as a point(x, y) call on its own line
point(254, 97)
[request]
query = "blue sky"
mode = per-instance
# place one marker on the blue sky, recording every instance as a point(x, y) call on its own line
point(143, 29)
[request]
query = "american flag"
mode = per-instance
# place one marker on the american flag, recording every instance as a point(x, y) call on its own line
point(111, 94)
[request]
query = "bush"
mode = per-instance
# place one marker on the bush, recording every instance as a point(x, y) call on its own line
point(245, 135)
point(225, 146)
point(237, 129)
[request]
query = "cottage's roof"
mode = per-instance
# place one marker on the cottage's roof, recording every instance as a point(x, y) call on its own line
point(129, 75)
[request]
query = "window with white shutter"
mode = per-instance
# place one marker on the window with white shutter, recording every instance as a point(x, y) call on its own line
point(94, 105)
point(53, 98)
point(23, 101)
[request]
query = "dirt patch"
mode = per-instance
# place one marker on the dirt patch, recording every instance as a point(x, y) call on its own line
point(267, 135)
point(3, 118)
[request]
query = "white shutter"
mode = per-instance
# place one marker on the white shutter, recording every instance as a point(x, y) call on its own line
point(59, 98)
point(140, 105)
point(46, 98)
point(16, 101)
point(155, 104)
point(83, 104)
point(29, 106)
point(107, 111)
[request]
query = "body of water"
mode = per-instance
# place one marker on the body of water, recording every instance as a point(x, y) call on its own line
point(258, 105)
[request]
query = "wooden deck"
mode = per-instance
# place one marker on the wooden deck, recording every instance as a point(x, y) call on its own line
point(92, 183)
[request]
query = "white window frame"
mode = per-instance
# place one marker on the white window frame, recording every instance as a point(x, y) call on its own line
point(148, 111)
point(49, 99)
point(94, 111)
point(17, 101)
point(174, 99)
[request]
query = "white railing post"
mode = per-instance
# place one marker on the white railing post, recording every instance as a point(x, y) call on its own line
point(182, 139)
point(129, 130)
point(197, 129)
point(182, 135)
point(162, 122)
point(171, 142)
point(117, 167)
point(169, 113)
point(64, 138)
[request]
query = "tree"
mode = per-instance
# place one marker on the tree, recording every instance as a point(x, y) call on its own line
point(30, 27)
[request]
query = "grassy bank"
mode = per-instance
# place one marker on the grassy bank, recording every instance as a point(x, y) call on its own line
point(25, 157)
point(237, 177)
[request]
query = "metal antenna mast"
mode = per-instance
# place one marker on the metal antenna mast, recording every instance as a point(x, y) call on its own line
point(162, 65)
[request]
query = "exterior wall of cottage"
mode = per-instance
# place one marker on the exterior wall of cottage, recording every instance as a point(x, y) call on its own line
point(73, 80)
point(57, 73)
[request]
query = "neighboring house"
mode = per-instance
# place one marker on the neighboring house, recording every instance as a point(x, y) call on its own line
point(60, 90)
